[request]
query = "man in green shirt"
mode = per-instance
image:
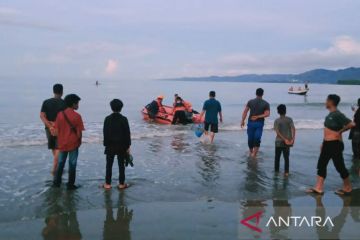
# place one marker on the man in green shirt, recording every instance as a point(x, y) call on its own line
point(332, 148)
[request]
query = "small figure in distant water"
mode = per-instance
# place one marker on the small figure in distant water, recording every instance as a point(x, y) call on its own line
point(97, 83)
point(285, 137)
point(211, 109)
point(69, 127)
point(355, 132)
point(117, 142)
point(306, 85)
point(332, 148)
point(49, 110)
point(155, 107)
point(179, 115)
point(259, 110)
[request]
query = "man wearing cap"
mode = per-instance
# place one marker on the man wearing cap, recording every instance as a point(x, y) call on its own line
point(155, 106)
point(69, 126)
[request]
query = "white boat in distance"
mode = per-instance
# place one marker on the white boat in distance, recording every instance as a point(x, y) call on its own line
point(298, 91)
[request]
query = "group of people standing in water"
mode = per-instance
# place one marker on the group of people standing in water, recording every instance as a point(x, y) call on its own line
point(64, 126)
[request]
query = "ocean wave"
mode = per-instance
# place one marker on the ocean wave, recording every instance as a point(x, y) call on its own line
point(301, 124)
point(34, 134)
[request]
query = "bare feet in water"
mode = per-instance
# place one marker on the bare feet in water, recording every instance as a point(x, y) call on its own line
point(123, 186)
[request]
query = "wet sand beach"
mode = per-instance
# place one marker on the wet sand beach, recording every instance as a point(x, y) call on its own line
point(180, 188)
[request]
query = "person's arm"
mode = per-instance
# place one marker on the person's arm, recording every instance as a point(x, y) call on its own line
point(347, 127)
point(106, 132)
point(293, 134)
point(203, 111)
point(44, 119)
point(220, 112)
point(80, 128)
point(280, 135)
point(202, 114)
point(264, 115)
point(347, 123)
point(127, 135)
point(43, 116)
point(56, 125)
point(244, 115)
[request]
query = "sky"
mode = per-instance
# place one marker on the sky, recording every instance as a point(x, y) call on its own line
point(152, 39)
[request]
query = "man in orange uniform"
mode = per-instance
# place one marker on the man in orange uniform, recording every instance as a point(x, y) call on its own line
point(179, 112)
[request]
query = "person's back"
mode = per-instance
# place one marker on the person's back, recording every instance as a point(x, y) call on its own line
point(153, 106)
point(257, 107)
point(285, 137)
point(117, 141)
point(116, 132)
point(283, 124)
point(49, 110)
point(179, 109)
point(355, 133)
point(69, 126)
point(259, 110)
point(357, 119)
point(212, 107)
point(51, 107)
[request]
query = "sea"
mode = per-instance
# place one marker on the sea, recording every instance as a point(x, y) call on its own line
point(180, 187)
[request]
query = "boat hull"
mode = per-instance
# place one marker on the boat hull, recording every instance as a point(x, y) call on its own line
point(302, 92)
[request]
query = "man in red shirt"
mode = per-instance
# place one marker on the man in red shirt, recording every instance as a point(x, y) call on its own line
point(69, 126)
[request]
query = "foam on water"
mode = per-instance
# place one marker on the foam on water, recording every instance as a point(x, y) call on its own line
point(33, 134)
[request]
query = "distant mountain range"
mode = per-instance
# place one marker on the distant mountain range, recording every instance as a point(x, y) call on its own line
point(313, 76)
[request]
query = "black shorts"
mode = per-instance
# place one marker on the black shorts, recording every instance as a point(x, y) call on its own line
point(52, 140)
point(213, 127)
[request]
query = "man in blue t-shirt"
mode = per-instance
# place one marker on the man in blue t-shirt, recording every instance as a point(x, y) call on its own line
point(211, 109)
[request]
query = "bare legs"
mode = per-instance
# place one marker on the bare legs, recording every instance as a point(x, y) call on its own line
point(211, 136)
point(254, 152)
point(55, 153)
point(319, 186)
point(347, 185)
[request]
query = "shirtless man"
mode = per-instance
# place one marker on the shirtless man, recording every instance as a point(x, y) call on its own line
point(332, 148)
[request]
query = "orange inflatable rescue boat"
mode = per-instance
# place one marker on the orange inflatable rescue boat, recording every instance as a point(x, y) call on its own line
point(166, 118)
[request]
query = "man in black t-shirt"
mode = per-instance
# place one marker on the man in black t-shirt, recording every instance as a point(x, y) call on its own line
point(49, 110)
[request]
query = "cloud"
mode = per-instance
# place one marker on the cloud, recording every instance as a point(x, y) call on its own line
point(12, 17)
point(6, 11)
point(345, 45)
point(111, 66)
point(343, 52)
point(102, 47)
